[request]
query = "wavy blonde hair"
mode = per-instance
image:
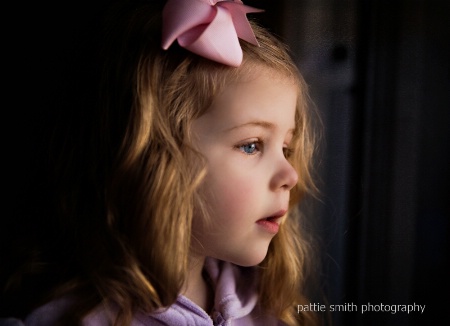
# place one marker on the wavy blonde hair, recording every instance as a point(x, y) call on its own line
point(130, 211)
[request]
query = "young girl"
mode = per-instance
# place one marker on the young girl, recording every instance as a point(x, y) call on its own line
point(178, 197)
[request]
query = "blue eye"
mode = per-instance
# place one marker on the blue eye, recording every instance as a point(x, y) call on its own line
point(250, 148)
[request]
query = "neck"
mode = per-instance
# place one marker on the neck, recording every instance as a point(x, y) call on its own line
point(197, 289)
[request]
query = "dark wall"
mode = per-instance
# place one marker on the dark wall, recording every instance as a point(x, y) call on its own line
point(380, 76)
point(45, 60)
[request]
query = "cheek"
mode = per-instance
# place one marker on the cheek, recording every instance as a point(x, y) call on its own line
point(231, 194)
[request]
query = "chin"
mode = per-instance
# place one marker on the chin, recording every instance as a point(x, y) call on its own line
point(250, 259)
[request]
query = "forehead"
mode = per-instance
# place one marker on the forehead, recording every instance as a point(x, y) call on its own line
point(254, 79)
point(259, 94)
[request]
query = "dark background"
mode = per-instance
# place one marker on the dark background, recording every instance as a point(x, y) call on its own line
point(379, 75)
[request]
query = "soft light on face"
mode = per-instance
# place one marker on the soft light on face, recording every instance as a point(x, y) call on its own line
point(245, 138)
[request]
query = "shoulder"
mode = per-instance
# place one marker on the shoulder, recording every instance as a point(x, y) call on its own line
point(11, 322)
point(50, 313)
point(182, 312)
point(236, 303)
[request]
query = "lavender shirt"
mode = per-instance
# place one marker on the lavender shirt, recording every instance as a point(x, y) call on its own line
point(235, 303)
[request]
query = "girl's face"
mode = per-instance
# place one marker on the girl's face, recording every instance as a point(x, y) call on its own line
point(245, 138)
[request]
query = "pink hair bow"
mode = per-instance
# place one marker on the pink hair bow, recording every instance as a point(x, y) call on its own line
point(209, 28)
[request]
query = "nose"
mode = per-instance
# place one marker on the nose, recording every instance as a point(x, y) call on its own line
point(285, 176)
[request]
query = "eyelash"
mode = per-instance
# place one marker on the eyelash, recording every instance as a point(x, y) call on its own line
point(257, 147)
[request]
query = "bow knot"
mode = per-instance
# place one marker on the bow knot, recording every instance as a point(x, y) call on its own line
point(209, 28)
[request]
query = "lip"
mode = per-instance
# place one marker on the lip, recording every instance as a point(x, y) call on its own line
point(271, 224)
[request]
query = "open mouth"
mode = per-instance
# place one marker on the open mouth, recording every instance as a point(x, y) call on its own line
point(269, 224)
point(274, 219)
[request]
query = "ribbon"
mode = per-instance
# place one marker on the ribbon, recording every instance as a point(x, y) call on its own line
point(209, 28)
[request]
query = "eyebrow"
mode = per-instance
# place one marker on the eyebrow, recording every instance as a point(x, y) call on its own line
point(263, 124)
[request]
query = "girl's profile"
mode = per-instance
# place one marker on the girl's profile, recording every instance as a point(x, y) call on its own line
point(178, 186)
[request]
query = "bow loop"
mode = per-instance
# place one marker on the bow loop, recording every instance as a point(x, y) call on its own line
point(208, 28)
